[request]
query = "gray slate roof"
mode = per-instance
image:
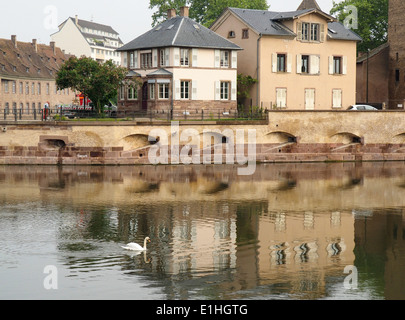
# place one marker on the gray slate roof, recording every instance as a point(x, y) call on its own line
point(270, 23)
point(95, 26)
point(180, 32)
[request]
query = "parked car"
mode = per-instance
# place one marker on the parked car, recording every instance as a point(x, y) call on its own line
point(362, 107)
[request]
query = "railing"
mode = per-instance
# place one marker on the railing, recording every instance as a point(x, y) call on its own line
point(122, 115)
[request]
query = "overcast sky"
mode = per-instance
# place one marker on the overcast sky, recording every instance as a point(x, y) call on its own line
point(36, 19)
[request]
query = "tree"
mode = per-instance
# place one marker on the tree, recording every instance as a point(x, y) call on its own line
point(204, 12)
point(98, 81)
point(372, 20)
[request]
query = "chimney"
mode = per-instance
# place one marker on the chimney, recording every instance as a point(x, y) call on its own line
point(52, 45)
point(77, 20)
point(34, 44)
point(184, 11)
point(171, 13)
point(14, 40)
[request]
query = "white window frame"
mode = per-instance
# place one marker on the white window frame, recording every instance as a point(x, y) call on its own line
point(225, 90)
point(164, 91)
point(224, 63)
point(184, 57)
point(185, 89)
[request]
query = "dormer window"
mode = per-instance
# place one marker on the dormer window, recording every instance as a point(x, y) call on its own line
point(311, 32)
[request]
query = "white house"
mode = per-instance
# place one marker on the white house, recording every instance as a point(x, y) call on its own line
point(90, 39)
point(182, 66)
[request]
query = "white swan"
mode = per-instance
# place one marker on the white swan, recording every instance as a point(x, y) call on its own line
point(137, 247)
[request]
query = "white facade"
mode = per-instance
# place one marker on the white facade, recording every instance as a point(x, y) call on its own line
point(88, 40)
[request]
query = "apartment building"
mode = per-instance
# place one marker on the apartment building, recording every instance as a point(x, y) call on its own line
point(180, 65)
point(27, 76)
point(303, 60)
point(86, 38)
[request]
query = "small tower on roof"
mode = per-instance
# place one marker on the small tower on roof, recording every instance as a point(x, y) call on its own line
point(309, 4)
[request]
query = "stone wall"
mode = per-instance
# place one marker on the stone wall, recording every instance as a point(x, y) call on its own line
point(295, 136)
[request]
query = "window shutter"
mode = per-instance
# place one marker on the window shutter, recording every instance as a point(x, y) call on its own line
point(195, 91)
point(274, 62)
point(195, 58)
point(344, 67)
point(234, 91)
point(136, 60)
point(289, 63)
point(337, 98)
point(322, 32)
point(217, 59)
point(234, 59)
point(314, 64)
point(299, 63)
point(167, 54)
point(155, 58)
point(330, 64)
point(299, 31)
point(176, 52)
point(177, 90)
point(217, 90)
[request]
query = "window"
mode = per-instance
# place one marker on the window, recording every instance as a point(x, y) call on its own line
point(315, 32)
point(5, 86)
point(33, 88)
point(225, 59)
point(185, 89)
point(21, 88)
point(162, 56)
point(39, 88)
point(245, 34)
point(397, 75)
point(27, 88)
point(231, 34)
point(281, 63)
point(224, 90)
point(146, 60)
point(304, 64)
point(337, 65)
point(48, 89)
point(132, 93)
point(152, 91)
point(184, 57)
point(305, 31)
point(122, 93)
point(14, 84)
point(163, 91)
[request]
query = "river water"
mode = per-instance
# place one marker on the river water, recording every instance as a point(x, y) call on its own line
point(290, 231)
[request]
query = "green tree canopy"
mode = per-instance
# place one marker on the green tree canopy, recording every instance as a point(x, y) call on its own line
point(98, 81)
point(204, 12)
point(372, 20)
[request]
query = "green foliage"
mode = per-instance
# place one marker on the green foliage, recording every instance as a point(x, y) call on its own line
point(204, 12)
point(98, 81)
point(245, 83)
point(372, 20)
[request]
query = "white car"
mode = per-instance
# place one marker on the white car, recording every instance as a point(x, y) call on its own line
point(362, 107)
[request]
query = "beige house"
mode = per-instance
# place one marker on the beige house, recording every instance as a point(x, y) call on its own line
point(86, 38)
point(181, 67)
point(303, 60)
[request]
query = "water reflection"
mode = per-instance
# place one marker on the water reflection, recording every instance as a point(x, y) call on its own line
point(288, 231)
